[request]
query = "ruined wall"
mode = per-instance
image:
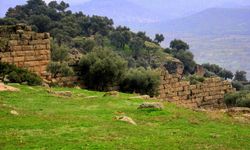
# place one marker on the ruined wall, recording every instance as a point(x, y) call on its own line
point(208, 94)
point(21, 46)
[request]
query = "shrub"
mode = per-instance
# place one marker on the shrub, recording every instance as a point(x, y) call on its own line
point(238, 99)
point(141, 81)
point(57, 68)
point(194, 79)
point(101, 69)
point(238, 85)
point(247, 87)
point(18, 75)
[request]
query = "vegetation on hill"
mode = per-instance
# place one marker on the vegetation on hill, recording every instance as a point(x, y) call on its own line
point(90, 35)
point(87, 121)
point(12, 74)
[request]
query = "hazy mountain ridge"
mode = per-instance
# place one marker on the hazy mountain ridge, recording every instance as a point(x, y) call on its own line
point(212, 21)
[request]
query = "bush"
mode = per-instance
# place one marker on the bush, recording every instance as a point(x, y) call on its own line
point(141, 81)
point(18, 75)
point(238, 85)
point(57, 68)
point(194, 79)
point(101, 69)
point(239, 99)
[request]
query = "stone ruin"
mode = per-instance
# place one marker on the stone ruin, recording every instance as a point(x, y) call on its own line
point(207, 94)
point(20, 46)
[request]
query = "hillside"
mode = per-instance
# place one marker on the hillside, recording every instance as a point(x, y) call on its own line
point(35, 119)
point(123, 12)
point(214, 21)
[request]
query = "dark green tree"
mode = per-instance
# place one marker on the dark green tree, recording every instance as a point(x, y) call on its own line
point(240, 76)
point(101, 69)
point(159, 38)
point(179, 45)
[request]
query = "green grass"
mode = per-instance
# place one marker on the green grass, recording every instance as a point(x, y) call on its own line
point(49, 122)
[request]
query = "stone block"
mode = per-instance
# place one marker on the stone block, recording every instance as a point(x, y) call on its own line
point(28, 48)
point(40, 47)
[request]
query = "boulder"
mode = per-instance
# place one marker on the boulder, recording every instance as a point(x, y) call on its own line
point(126, 119)
point(239, 110)
point(13, 112)
point(61, 93)
point(4, 87)
point(154, 105)
point(111, 93)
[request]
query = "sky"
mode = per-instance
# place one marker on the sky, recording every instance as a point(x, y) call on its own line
point(177, 7)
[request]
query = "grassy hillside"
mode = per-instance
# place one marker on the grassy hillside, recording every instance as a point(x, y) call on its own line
point(81, 122)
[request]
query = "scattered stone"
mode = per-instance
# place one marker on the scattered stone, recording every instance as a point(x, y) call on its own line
point(45, 85)
point(61, 93)
point(239, 110)
point(4, 87)
point(90, 97)
point(126, 119)
point(111, 93)
point(146, 97)
point(151, 106)
point(13, 112)
point(246, 116)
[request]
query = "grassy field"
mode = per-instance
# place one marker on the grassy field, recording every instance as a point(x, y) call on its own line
point(46, 121)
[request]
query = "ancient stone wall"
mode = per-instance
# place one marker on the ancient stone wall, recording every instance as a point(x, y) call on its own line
point(21, 46)
point(208, 94)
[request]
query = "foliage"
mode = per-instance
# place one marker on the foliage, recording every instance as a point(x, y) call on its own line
point(238, 85)
point(62, 69)
point(59, 53)
point(159, 38)
point(187, 58)
point(179, 45)
point(101, 69)
point(141, 81)
point(18, 75)
point(194, 79)
point(213, 69)
point(239, 99)
point(240, 76)
point(84, 44)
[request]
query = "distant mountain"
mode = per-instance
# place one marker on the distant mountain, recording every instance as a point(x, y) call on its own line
point(213, 21)
point(123, 12)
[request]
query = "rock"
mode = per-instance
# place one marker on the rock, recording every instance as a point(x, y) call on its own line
point(151, 106)
point(111, 93)
point(45, 85)
point(246, 116)
point(61, 93)
point(239, 110)
point(199, 70)
point(146, 97)
point(13, 112)
point(90, 97)
point(126, 119)
point(4, 87)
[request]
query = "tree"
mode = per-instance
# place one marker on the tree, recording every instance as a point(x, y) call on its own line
point(159, 38)
point(187, 58)
point(62, 6)
point(240, 76)
point(42, 22)
point(59, 53)
point(226, 74)
point(57, 68)
point(136, 45)
point(179, 45)
point(101, 69)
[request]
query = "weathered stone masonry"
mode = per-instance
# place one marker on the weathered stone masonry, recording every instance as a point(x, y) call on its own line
point(209, 94)
point(21, 46)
